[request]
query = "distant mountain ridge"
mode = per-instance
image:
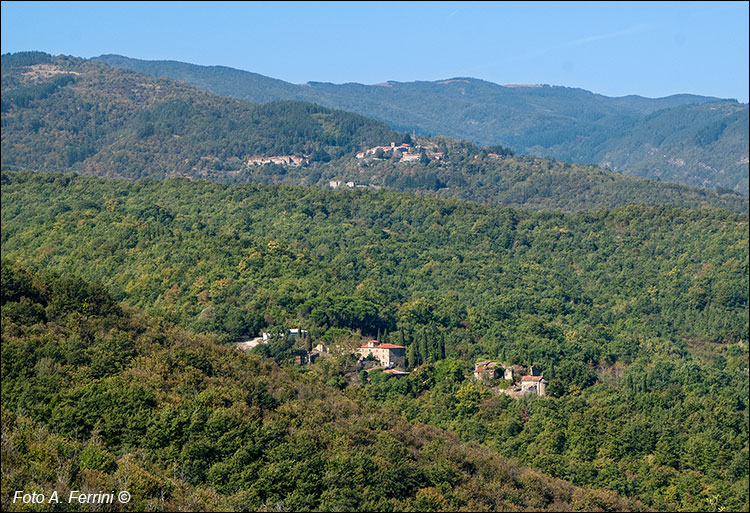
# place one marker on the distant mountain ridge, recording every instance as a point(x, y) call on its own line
point(650, 137)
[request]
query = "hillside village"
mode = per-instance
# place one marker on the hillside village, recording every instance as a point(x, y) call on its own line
point(512, 380)
point(403, 153)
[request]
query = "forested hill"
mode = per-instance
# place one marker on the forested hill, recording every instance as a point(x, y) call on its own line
point(64, 113)
point(704, 145)
point(637, 317)
point(696, 140)
point(523, 181)
point(68, 114)
point(97, 397)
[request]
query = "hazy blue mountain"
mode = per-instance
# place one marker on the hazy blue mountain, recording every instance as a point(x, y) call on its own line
point(631, 134)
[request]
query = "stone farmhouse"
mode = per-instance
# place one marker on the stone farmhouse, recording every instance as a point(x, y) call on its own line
point(486, 370)
point(533, 385)
point(524, 381)
point(389, 355)
point(514, 372)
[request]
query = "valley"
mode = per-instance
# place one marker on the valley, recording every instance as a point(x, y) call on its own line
point(223, 305)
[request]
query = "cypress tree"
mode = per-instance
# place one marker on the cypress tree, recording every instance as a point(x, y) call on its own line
point(412, 356)
point(425, 350)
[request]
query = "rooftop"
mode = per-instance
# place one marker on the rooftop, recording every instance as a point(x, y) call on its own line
point(383, 345)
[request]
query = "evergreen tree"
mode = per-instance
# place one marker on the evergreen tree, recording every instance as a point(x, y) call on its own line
point(411, 356)
point(427, 355)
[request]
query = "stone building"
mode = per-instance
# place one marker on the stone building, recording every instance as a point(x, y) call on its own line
point(533, 385)
point(389, 355)
point(486, 370)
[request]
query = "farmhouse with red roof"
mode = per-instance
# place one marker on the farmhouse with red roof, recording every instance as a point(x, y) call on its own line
point(389, 355)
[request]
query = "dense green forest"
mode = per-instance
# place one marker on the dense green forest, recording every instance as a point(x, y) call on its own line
point(68, 114)
point(636, 315)
point(98, 397)
point(696, 140)
point(466, 172)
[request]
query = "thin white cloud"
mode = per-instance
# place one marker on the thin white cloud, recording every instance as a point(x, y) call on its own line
point(639, 27)
point(610, 35)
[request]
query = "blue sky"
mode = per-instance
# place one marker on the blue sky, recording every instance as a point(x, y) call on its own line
point(614, 48)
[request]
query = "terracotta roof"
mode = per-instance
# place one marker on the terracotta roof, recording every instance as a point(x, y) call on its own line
point(532, 378)
point(383, 345)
